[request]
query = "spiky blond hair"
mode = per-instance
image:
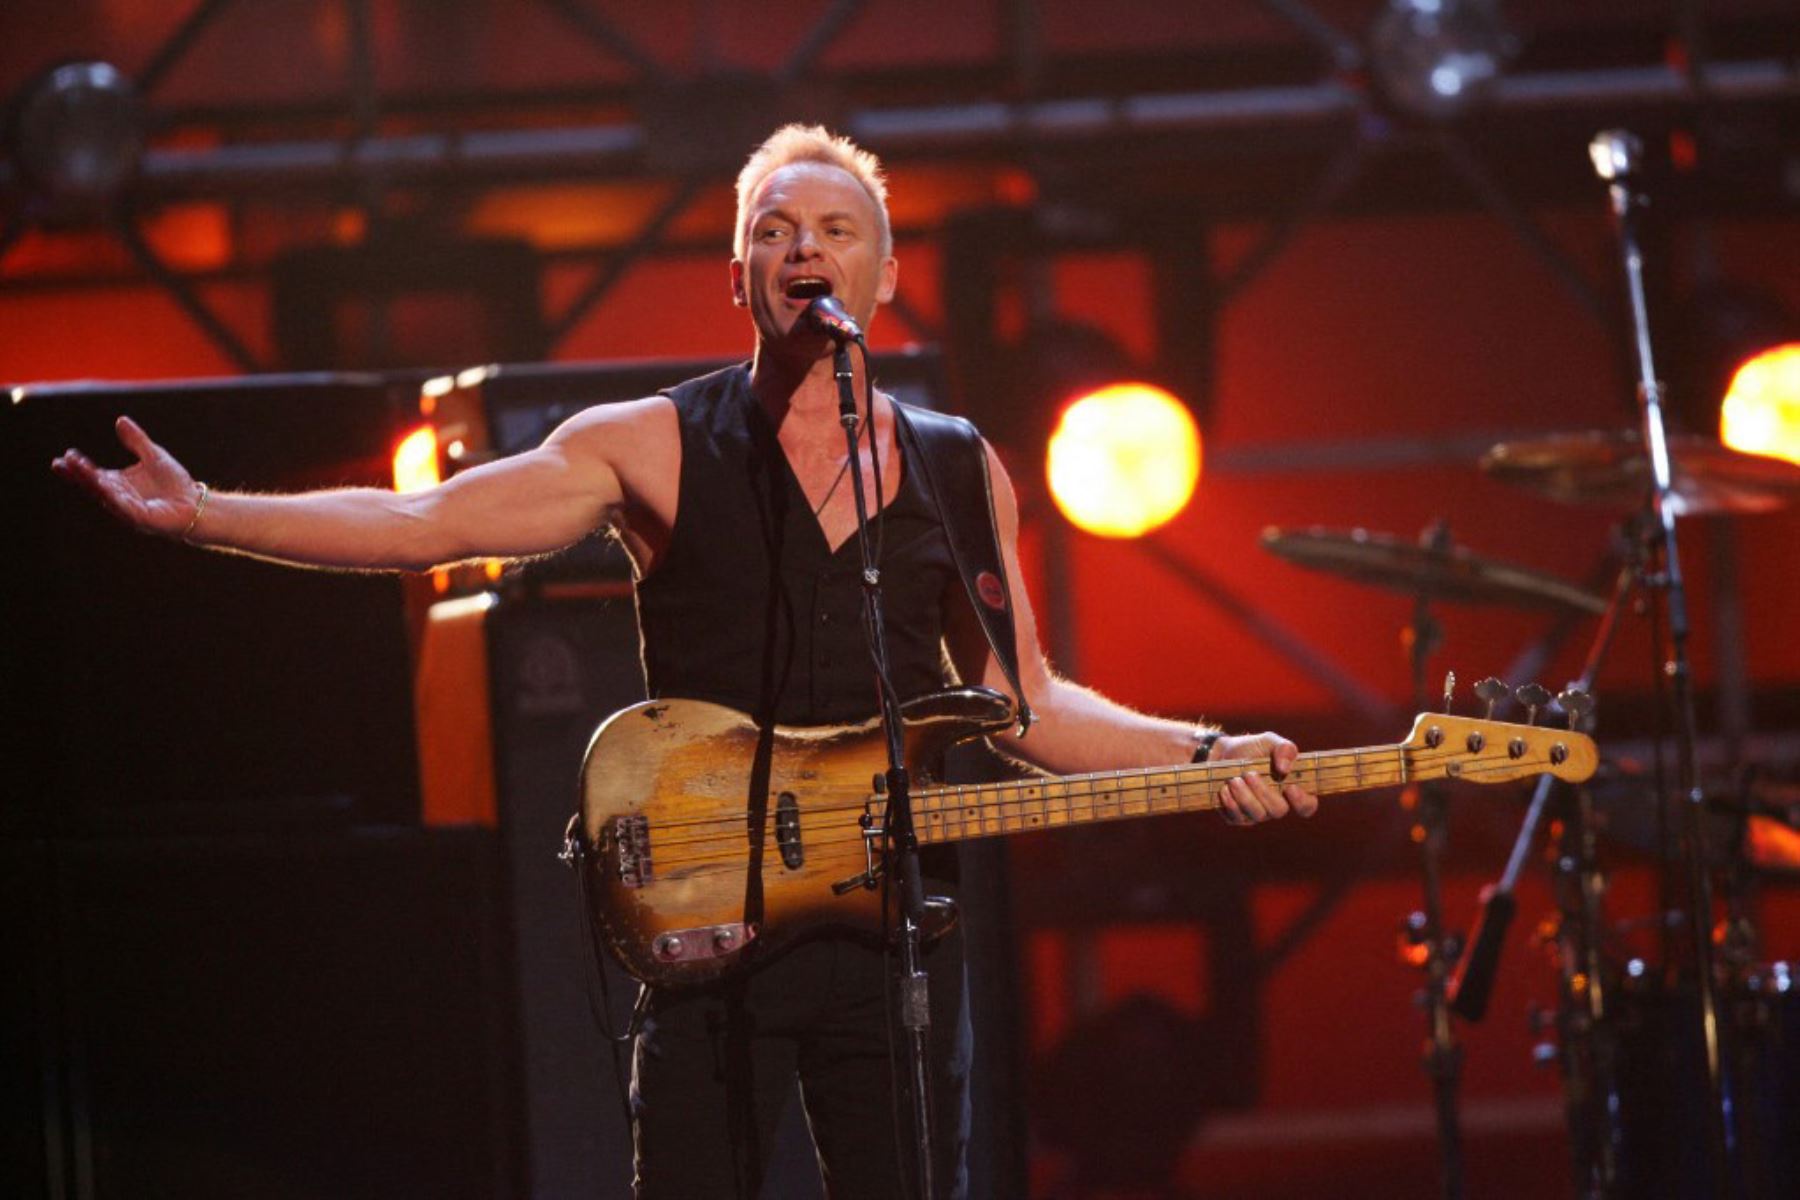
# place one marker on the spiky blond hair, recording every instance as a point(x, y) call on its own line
point(798, 143)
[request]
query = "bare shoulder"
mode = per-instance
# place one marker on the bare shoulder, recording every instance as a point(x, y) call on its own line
point(633, 439)
point(1006, 501)
point(633, 426)
point(635, 447)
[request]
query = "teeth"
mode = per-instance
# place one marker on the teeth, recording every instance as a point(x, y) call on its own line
point(807, 287)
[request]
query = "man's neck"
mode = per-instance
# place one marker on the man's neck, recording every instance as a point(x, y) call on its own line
point(800, 394)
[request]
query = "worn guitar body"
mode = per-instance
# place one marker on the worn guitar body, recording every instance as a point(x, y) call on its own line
point(711, 843)
point(715, 844)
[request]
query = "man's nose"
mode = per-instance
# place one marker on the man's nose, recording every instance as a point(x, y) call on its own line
point(805, 244)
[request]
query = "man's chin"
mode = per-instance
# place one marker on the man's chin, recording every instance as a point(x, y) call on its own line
point(797, 344)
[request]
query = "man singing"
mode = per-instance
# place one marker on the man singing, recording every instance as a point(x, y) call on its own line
point(730, 495)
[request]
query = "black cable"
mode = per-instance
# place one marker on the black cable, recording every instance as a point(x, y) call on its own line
point(575, 854)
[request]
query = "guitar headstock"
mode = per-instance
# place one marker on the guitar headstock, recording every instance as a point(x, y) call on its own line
point(1481, 750)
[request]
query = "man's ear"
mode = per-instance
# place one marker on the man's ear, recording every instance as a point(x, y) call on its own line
point(738, 297)
point(890, 279)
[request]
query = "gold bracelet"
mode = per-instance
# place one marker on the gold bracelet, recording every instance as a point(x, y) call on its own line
point(199, 507)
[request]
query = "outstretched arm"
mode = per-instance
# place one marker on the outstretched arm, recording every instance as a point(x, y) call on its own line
point(1078, 729)
point(530, 503)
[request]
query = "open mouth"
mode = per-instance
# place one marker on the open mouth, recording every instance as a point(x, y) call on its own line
point(808, 287)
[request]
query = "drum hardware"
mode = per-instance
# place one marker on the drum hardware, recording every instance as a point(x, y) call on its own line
point(1662, 478)
point(1435, 569)
point(1610, 469)
point(1443, 1056)
point(1749, 823)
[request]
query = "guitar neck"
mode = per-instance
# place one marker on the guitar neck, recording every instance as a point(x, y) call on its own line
point(950, 814)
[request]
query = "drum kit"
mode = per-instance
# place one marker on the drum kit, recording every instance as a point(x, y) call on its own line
point(1626, 1024)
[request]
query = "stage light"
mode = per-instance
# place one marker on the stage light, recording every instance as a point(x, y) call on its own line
point(1124, 460)
point(78, 133)
point(416, 461)
point(1438, 58)
point(1736, 369)
point(1761, 411)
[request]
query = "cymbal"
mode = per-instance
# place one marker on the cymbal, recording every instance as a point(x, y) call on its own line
point(1610, 468)
point(1758, 822)
point(1454, 574)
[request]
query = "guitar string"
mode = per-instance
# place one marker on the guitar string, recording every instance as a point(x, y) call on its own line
point(1388, 777)
point(831, 849)
point(1220, 772)
point(1327, 766)
point(838, 848)
point(1333, 776)
point(731, 852)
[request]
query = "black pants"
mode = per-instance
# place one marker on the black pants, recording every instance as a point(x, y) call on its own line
point(712, 1070)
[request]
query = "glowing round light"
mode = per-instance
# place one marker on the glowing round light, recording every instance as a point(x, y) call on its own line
point(1761, 412)
point(416, 461)
point(1124, 460)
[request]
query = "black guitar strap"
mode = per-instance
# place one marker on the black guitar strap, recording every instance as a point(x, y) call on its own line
point(952, 460)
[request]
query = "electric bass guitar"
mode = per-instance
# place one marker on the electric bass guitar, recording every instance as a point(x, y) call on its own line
point(709, 843)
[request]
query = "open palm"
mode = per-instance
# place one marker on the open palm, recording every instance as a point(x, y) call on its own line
point(155, 493)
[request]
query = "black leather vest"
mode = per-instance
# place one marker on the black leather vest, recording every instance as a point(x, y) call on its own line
point(748, 606)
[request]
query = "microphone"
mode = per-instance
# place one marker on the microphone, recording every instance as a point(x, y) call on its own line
point(827, 315)
point(1616, 154)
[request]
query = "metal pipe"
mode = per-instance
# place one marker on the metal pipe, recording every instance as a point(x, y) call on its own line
point(899, 132)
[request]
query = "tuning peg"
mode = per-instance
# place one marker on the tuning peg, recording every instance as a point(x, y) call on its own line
point(1492, 691)
point(1579, 705)
point(1449, 689)
point(1533, 696)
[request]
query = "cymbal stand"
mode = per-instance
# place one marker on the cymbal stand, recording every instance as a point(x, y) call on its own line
point(1617, 157)
point(1753, 1018)
point(1585, 1043)
point(1587, 1034)
point(1442, 1058)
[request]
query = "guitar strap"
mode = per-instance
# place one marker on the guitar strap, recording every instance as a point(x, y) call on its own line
point(952, 461)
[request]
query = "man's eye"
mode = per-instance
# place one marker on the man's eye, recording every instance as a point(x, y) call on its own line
point(770, 234)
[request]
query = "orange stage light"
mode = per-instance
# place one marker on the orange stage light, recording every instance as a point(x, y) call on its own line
point(1761, 412)
point(416, 461)
point(1124, 460)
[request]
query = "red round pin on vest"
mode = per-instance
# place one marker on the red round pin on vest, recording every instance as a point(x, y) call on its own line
point(987, 584)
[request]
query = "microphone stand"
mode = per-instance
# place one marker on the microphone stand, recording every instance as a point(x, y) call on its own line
point(897, 826)
point(1617, 157)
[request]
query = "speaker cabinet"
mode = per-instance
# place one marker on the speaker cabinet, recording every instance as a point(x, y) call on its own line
point(317, 1015)
point(509, 691)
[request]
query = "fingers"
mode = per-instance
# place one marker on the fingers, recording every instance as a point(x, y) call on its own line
point(71, 465)
point(135, 439)
point(104, 486)
point(1282, 756)
point(1249, 799)
point(78, 469)
point(156, 493)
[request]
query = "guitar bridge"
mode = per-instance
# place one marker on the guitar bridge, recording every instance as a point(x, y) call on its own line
point(631, 843)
